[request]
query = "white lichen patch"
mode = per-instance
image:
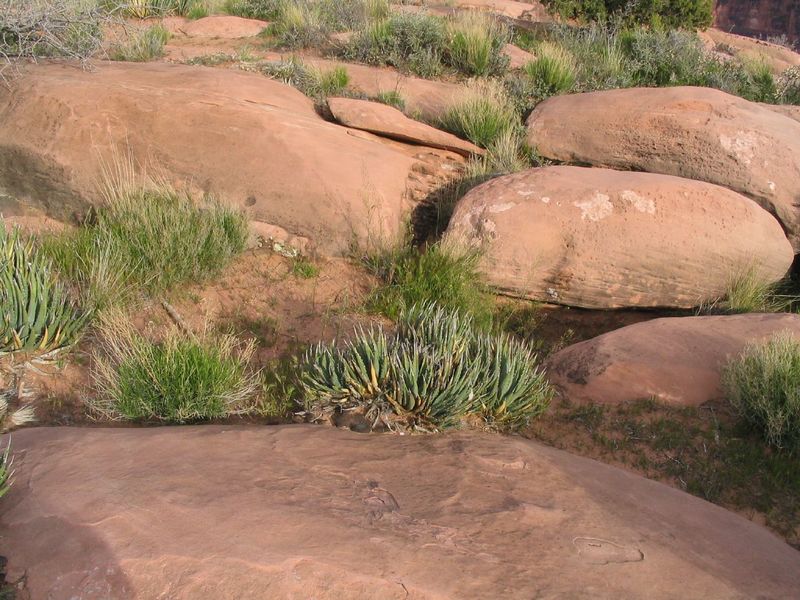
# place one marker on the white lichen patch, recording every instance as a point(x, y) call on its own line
point(525, 193)
point(771, 185)
point(742, 146)
point(640, 203)
point(597, 208)
point(498, 208)
point(545, 199)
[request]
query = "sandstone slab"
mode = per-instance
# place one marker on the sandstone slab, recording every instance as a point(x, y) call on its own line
point(254, 142)
point(677, 360)
point(697, 133)
point(223, 27)
point(300, 512)
point(597, 238)
point(787, 110)
point(518, 57)
point(388, 121)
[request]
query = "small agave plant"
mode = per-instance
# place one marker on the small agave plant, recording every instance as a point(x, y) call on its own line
point(37, 315)
point(435, 371)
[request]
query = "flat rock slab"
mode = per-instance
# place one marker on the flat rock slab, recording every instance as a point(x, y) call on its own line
point(304, 512)
point(223, 27)
point(388, 121)
point(599, 238)
point(677, 360)
point(691, 132)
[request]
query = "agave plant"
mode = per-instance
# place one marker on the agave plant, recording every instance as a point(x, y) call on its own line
point(36, 313)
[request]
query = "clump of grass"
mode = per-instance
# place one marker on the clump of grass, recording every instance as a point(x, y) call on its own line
point(181, 379)
point(748, 291)
point(483, 114)
point(437, 371)
point(198, 11)
point(553, 71)
point(763, 384)
point(304, 268)
point(391, 98)
point(788, 91)
point(442, 274)
point(311, 81)
point(476, 44)
point(151, 237)
point(266, 10)
point(6, 470)
point(143, 46)
point(37, 314)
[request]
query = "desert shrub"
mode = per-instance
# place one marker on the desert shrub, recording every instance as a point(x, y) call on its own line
point(48, 28)
point(445, 275)
point(143, 9)
point(413, 42)
point(151, 237)
point(763, 384)
point(482, 114)
point(306, 23)
point(689, 14)
point(265, 10)
point(392, 98)
point(508, 153)
point(37, 315)
point(435, 372)
point(142, 46)
point(6, 470)
point(476, 42)
point(183, 378)
point(788, 88)
point(198, 10)
point(313, 82)
point(553, 71)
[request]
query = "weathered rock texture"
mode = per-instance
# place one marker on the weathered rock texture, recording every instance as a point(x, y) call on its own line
point(599, 238)
point(759, 18)
point(697, 133)
point(255, 142)
point(677, 360)
point(787, 110)
point(299, 512)
point(778, 58)
point(387, 121)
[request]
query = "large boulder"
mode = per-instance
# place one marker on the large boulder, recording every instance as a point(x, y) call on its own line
point(256, 143)
point(302, 512)
point(387, 121)
point(697, 133)
point(598, 238)
point(677, 360)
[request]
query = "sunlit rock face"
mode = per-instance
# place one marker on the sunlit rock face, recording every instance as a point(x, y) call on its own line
point(759, 18)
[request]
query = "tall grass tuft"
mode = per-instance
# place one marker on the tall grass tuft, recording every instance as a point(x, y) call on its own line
point(483, 114)
point(147, 44)
point(553, 71)
point(763, 384)
point(476, 44)
point(748, 291)
point(181, 379)
point(149, 237)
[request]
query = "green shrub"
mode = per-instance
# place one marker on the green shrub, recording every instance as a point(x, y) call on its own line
point(553, 71)
point(266, 10)
point(789, 86)
point(197, 11)
point(144, 45)
point(436, 372)
point(763, 384)
point(689, 14)
point(476, 44)
point(181, 379)
point(36, 313)
point(748, 292)
point(447, 276)
point(413, 42)
point(313, 82)
point(152, 237)
point(482, 114)
point(307, 23)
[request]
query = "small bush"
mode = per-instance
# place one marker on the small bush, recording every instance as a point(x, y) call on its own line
point(37, 315)
point(553, 71)
point(447, 276)
point(788, 91)
point(763, 384)
point(178, 380)
point(144, 45)
point(436, 372)
point(311, 81)
point(483, 113)
point(266, 10)
point(197, 11)
point(151, 237)
point(307, 23)
point(476, 44)
point(688, 14)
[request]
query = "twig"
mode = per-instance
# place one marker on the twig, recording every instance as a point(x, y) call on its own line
point(176, 318)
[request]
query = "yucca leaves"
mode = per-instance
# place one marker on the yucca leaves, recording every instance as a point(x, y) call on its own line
point(433, 372)
point(36, 313)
